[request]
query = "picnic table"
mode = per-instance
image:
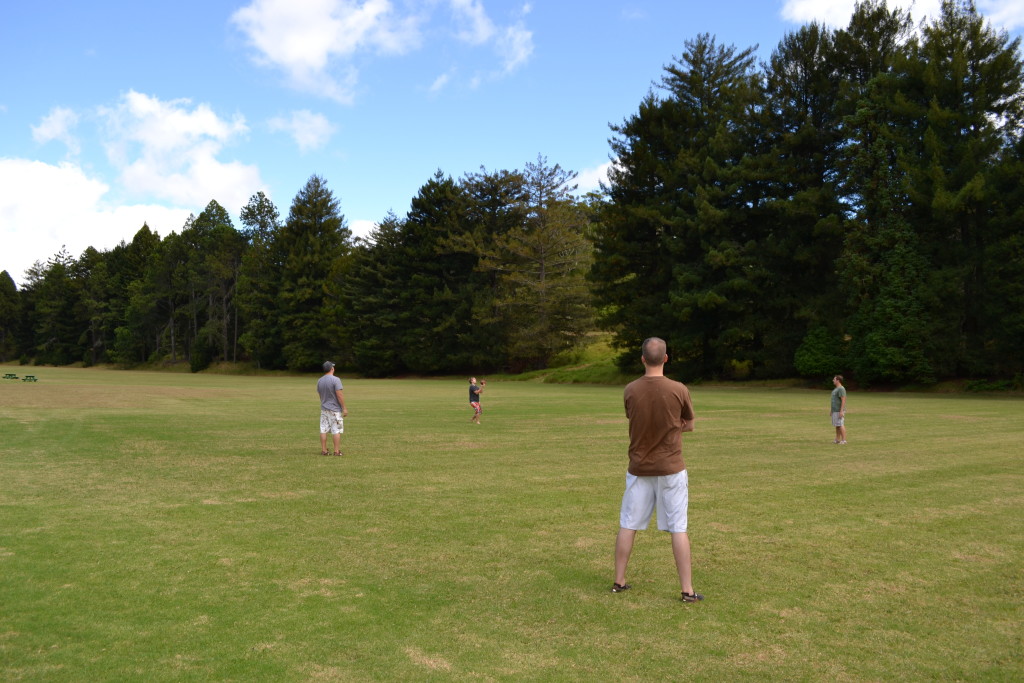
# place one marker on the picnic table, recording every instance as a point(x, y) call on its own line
point(10, 375)
point(29, 378)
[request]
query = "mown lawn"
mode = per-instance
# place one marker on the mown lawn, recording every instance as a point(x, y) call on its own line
point(167, 527)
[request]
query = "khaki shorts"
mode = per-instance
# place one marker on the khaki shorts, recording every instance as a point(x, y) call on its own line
point(670, 494)
point(331, 421)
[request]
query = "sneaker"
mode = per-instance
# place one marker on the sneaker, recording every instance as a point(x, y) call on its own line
point(692, 597)
point(619, 587)
point(842, 443)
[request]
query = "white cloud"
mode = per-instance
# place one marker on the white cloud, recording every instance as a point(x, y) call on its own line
point(476, 28)
point(590, 179)
point(315, 43)
point(440, 82)
point(515, 46)
point(362, 228)
point(513, 43)
point(309, 130)
point(79, 220)
point(57, 125)
point(168, 150)
point(311, 40)
point(1007, 14)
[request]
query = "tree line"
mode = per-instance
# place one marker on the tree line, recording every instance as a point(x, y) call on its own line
point(487, 271)
point(854, 204)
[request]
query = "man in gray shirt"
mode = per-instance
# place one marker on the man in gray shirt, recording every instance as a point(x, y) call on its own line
point(332, 409)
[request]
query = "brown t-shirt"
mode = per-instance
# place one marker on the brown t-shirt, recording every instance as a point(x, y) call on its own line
point(659, 411)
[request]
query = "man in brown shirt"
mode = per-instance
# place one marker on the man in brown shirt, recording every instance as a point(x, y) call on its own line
point(659, 411)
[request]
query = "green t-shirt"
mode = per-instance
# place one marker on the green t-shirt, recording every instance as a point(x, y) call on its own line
point(837, 398)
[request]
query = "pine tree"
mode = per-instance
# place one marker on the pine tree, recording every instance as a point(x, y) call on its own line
point(967, 106)
point(314, 243)
point(677, 250)
point(541, 297)
point(10, 313)
point(803, 216)
point(258, 281)
point(371, 294)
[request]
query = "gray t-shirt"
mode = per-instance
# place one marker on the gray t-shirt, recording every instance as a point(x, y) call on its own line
point(326, 386)
point(837, 398)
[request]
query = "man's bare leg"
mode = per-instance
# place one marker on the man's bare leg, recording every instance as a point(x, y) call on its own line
point(681, 550)
point(623, 549)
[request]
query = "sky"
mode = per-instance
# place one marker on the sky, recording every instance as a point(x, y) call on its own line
point(115, 113)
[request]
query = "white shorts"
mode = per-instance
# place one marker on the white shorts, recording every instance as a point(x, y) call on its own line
point(670, 494)
point(837, 419)
point(331, 421)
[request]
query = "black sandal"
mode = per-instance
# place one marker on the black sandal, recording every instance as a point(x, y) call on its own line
point(692, 597)
point(619, 587)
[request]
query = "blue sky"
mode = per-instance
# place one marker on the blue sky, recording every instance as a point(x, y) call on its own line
point(113, 113)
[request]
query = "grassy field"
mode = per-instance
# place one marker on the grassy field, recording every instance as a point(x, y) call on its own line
point(178, 527)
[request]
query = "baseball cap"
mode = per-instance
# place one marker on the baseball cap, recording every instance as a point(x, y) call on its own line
point(328, 365)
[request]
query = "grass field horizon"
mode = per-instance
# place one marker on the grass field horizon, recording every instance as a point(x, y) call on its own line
point(166, 526)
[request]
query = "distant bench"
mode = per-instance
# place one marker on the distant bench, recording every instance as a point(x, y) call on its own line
point(10, 375)
point(29, 378)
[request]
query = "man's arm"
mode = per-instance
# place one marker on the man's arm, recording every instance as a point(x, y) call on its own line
point(842, 406)
point(341, 402)
point(687, 416)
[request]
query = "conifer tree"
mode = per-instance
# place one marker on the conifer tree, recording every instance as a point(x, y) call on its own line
point(314, 243)
point(258, 281)
point(966, 109)
point(9, 315)
point(676, 253)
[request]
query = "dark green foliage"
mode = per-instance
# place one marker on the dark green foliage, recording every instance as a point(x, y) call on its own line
point(132, 317)
point(258, 282)
point(801, 217)
point(967, 103)
point(535, 252)
point(372, 293)
point(312, 243)
point(1002, 308)
point(9, 316)
point(438, 335)
point(821, 353)
point(853, 205)
point(860, 192)
point(94, 313)
point(676, 254)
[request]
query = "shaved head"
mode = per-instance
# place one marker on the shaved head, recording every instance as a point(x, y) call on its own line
point(653, 350)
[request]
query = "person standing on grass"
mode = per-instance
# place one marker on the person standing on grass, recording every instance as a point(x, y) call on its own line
point(474, 398)
point(837, 409)
point(332, 409)
point(659, 411)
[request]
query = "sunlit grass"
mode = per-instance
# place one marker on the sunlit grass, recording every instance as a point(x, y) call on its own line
point(158, 526)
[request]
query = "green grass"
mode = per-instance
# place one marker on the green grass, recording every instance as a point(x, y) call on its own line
point(179, 527)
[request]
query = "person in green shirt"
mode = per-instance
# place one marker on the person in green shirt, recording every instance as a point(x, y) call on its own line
point(837, 409)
